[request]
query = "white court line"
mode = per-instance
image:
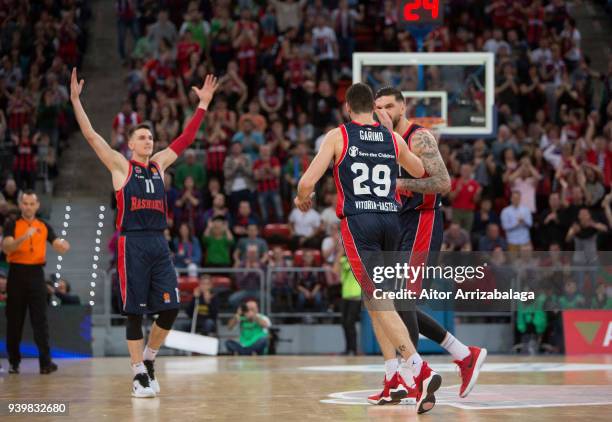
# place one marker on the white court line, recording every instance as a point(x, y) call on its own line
point(487, 367)
point(350, 395)
point(358, 397)
point(523, 406)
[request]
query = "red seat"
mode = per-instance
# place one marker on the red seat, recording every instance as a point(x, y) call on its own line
point(221, 282)
point(186, 285)
point(276, 230)
point(298, 257)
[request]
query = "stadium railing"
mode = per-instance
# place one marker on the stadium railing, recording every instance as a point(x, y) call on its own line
point(103, 315)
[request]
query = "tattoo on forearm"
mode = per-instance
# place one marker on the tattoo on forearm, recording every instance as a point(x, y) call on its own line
point(424, 145)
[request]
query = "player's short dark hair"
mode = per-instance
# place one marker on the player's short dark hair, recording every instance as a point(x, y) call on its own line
point(28, 192)
point(133, 129)
point(360, 98)
point(389, 90)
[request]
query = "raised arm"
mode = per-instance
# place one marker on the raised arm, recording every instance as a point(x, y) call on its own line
point(112, 159)
point(317, 169)
point(168, 155)
point(437, 180)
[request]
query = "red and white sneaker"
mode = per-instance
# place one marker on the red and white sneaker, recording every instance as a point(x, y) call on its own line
point(427, 383)
point(393, 392)
point(470, 369)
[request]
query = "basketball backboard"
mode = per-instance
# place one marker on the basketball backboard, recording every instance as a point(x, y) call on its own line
point(458, 88)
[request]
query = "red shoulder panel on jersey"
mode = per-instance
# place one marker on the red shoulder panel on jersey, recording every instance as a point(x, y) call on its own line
point(121, 198)
point(340, 201)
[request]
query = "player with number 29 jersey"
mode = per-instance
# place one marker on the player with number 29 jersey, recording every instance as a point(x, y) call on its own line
point(366, 157)
point(367, 171)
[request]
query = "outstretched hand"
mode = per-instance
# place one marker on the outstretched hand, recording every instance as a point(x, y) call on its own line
point(76, 86)
point(205, 94)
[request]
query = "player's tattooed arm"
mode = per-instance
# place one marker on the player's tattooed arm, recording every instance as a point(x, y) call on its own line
point(406, 158)
point(425, 147)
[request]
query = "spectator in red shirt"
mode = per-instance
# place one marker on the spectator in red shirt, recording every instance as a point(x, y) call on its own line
point(465, 193)
point(295, 75)
point(156, 70)
point(24, 151)
point(267, 174)
point(68, 33)
point(246, 35)
point(19, 109)
point(535, 26)
point(216, 150)
point(185, 48)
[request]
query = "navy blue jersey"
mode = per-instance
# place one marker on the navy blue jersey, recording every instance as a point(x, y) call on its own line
point(415, 200)
point(367, 171)
point(141, 202)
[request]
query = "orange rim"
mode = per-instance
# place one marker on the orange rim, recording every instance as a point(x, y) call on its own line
point(428, 122)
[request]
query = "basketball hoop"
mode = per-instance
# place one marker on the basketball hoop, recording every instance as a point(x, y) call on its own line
point(434, 124)
point(429, 122)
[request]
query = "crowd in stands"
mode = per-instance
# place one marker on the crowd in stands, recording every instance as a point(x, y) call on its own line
point(40, 41)
point(541, 183)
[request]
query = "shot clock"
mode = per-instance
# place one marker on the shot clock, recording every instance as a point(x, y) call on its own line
point(422, 11)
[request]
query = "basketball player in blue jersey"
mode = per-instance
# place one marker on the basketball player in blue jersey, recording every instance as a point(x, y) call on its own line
point(365, 156)
point(146, 274)
point(421, 225)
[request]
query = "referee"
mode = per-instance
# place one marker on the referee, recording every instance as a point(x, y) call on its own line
point(25, 248)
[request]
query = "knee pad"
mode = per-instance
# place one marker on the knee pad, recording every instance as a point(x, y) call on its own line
point(133, 328)
point(166, 318)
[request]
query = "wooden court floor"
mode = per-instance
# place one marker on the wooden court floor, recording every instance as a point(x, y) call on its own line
point(314, 388)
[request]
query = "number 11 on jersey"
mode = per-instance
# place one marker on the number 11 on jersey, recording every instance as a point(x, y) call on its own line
point(150, 187)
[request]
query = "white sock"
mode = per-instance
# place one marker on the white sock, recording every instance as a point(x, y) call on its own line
point(406, 373)
point(139, 368)
point(411, 368)
point(415, 362)
point(149, 354)
point(458, 350)
point(391, 366)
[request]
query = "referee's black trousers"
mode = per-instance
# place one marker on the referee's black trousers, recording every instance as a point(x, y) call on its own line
point(26, 290)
